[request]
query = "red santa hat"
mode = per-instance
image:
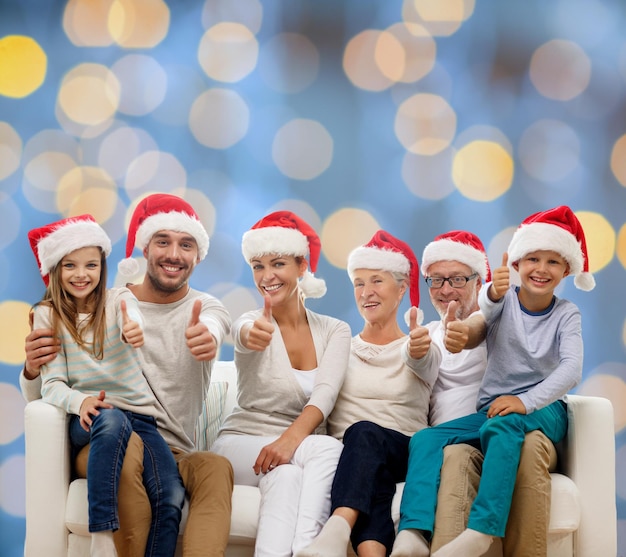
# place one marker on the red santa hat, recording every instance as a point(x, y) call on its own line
point(53, 242)
point(161, 211)
point(556, 230)
point(461, 246)
point(285, 233)
point(386, 253)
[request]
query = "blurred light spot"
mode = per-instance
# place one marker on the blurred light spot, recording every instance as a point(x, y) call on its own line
point(483, 133)
point(498, 245)
point(359, 62)
point(417, 54)
point(83, 131)
point(228, 52)
point(549, 150)
point(202, 205)
point(219, 118)
point(41, 176)
point(345, 230)
point(120, 147)
point(425, 124)
point(23, 65)
point(89, 94)
point(10, 150)
point(582, 19)
point(85, 22)
point(10, 217)
point(184, 85)
point(246, 12)
point(440, 17)
point(154, 171)
point(607, 381)
point(302, 149)
point(12, 405)
point(13, 330)
point(143, 84)
point(482, 170)
point(289, 62)
point(560, 70)
point(389, 56)
point(618, 160)
point(87, 189)
point(600, 239)
point(429, 177)
point(239, 299)
point(621, 246)
point(139, 23)
point(12, 485)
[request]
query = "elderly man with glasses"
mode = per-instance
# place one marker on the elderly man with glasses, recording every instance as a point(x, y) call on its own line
point(455, 266)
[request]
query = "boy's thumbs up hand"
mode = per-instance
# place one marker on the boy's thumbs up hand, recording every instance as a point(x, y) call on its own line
point(500, 281)
point(131, 331)
point(260, 333)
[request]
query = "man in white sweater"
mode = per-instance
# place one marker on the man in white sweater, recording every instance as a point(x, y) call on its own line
point(183, 330)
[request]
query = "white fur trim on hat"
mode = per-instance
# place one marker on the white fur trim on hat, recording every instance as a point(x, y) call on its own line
point(365, 257)
point(71, 236)
point(176, 221)
point(538, 236)
point(274, 239)
point(449, 250)
point(311, 286)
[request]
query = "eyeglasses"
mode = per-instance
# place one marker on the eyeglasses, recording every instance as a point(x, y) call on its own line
point(454, 282)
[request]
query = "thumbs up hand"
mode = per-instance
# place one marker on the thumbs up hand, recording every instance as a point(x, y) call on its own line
point(131, 330)
point(419, 337)
point(259, 335)
point(456, 331)
point(500, 280)
point(200, 341)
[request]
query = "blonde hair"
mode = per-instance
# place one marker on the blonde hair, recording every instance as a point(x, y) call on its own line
point(65, 312)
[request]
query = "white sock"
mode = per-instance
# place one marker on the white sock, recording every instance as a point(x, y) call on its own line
point(410, 543)
point(332, 541)
point(102, 544)
point(470, 543)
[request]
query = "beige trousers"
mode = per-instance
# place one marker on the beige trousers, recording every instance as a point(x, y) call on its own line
point(527, 527)
point(208, 480)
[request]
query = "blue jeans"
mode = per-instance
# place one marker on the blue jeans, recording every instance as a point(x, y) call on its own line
point(108, 438)
point(373, 461)
point(500, 438)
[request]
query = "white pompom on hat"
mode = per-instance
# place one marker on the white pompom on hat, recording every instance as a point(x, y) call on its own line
point(558, 230)
point(461, 246)
point(53, 242)
point(161, 211)
point(285, 233)
point(387, 253)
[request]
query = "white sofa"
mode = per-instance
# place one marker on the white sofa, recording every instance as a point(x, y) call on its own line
point(583, 519)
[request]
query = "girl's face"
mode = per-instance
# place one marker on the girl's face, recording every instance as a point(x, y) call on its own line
point(377, 294)
point(80, 274)
point(277, 275)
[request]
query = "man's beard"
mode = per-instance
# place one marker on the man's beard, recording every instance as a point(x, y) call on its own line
point(165, 288)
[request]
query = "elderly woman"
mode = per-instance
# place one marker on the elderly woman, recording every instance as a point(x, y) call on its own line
point(291, 363)
point(384, 384)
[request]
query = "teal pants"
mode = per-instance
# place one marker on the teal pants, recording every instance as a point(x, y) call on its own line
point(500, 438)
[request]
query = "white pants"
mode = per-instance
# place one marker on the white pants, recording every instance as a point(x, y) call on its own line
point(295, 497)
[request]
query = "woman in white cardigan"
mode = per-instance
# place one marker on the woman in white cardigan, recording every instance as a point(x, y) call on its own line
point(291, 363)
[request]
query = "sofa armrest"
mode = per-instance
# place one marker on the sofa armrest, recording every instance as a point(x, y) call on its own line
point(588, 458)
point(47, 476)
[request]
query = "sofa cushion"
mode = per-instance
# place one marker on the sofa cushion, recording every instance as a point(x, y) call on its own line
point(210, 418)
point(77, 510)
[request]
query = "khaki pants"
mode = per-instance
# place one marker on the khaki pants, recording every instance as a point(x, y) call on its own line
point(527, 527)
point(208, 480)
